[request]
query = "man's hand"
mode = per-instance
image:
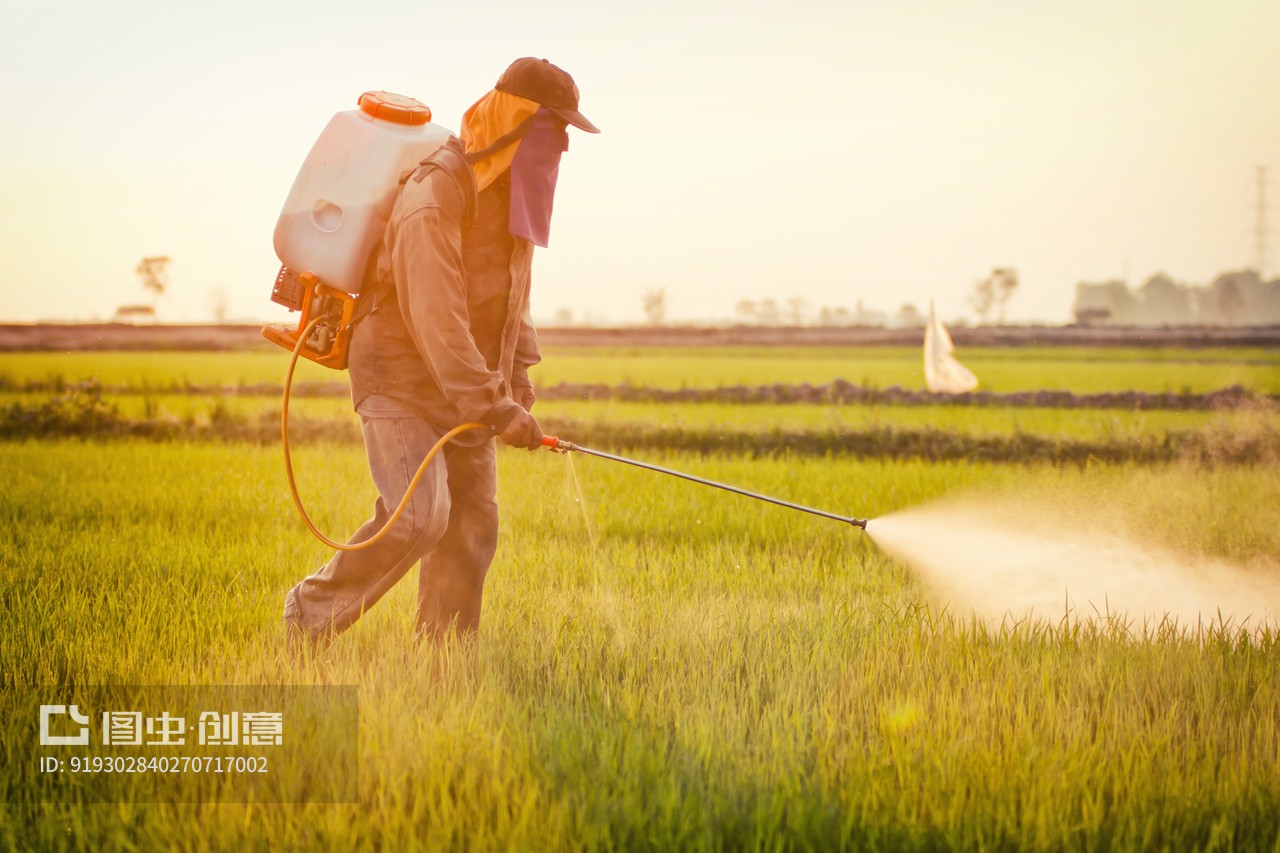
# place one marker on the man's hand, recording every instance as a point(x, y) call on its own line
point(523, 431)
point(524, 396)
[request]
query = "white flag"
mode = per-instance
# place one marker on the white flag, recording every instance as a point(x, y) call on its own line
point(942, 373)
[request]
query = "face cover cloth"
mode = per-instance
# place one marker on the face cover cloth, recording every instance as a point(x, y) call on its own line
point(489, 120)
point(534, 170)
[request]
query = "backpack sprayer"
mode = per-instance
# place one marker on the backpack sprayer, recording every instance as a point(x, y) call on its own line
point(335, 214)
point(332, 221)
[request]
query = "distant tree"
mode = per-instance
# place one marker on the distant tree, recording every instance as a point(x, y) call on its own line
point(1004, 281)
point(1164, 302)
point(1234, 298)
point(154, 275)
point(993, 292)
point(768, 313)
point(837, 316)
point(746, 311)
point(564, 317)
point(799, 307)
point(1258, 302)
point(983, 298)
point(655, 306)
point(219, 304)
point(864, 316)
point(1248, 299)
point(1227, 299)
point(909, 317)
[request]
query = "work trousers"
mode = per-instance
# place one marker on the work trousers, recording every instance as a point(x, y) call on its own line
point(450, 524)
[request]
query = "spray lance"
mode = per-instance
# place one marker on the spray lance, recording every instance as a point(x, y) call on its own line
point(559, 445)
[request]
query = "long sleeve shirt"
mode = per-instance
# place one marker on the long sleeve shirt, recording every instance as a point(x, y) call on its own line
point(449, 333)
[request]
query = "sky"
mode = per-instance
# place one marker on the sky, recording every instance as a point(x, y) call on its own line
point(835, 152)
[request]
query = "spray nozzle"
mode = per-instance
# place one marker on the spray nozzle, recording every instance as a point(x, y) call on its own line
point(559, 445)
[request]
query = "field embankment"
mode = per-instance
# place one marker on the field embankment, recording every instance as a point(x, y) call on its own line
point(68, 337)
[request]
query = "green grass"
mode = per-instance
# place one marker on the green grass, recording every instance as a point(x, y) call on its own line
point(711, 673)
point(160, 371)
point(662, 665)
point(1081, 370)
point(1059, 423)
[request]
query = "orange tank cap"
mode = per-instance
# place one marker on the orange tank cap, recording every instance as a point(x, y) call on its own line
point(398, 109)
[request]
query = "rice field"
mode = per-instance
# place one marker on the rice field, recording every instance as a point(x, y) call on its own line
point(663, 666)
point(1011, 369)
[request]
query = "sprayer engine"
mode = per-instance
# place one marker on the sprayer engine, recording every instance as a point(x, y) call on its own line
point(329, 340)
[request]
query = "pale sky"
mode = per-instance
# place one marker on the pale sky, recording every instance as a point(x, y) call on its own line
point(883, 152)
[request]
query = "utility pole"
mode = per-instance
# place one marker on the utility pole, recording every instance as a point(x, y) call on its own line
point(1260, 230)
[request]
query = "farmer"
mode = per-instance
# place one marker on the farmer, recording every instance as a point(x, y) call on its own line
point(444, 337)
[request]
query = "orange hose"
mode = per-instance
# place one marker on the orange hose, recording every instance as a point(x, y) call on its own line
point(288, 460)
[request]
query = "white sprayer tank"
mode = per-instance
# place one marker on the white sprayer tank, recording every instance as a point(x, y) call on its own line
point(342, 197)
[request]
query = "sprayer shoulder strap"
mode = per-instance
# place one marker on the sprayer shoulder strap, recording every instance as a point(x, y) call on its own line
point(448, 158)
point(367, 298)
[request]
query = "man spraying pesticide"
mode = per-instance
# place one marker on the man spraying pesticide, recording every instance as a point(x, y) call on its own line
point(439, 341)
